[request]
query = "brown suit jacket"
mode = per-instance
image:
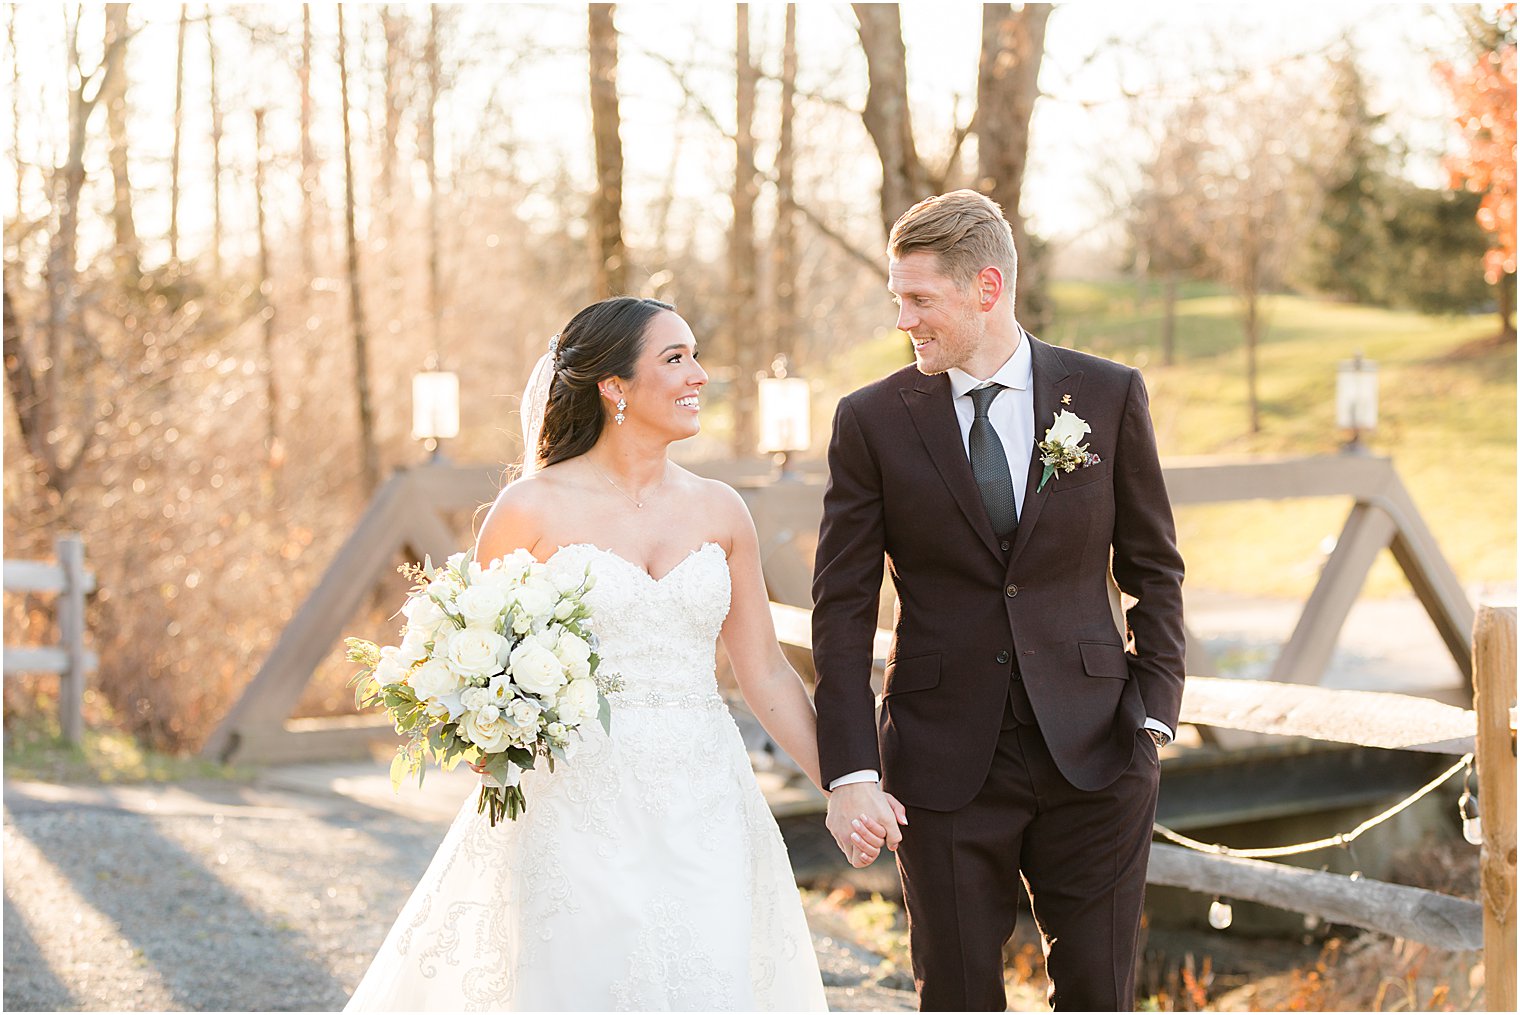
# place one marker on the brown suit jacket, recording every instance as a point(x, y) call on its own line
point(900, 489)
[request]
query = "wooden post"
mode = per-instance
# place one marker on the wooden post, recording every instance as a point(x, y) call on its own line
point(70, 549)
point(1494, 699)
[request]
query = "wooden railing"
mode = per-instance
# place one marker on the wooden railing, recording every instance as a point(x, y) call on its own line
point(1369, 719)
point(69, 659)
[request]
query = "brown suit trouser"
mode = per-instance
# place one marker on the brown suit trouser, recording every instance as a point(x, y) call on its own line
point(1082, 856)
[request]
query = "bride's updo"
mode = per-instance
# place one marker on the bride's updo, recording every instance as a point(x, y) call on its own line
point(604, 340)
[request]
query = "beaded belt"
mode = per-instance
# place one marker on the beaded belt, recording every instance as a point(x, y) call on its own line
point(655, 699)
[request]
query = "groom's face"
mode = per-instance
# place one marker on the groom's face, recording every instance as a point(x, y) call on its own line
point(938, 313)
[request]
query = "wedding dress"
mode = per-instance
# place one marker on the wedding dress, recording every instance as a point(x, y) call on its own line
point(647, 873)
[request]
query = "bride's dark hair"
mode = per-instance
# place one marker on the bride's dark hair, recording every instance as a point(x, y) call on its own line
point(603, 340)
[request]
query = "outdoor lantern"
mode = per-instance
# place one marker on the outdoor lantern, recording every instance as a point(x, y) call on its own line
point(435, 408)
point(785, 414)
point(1356, 399)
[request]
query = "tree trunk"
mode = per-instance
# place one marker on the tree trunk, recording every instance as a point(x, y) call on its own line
point(747, 344)
point(784, 239)
point(10, 38)
point(216, 148)
point(904, 182)
point(1253, 327)
point(430, 159)
point(1013, 47)
point(369, 451)
point(393, 27)
point(179, 124)
point(1507, 306)
point(272, 449)
point(611, 268)
point(308, 156)
point(126, 253)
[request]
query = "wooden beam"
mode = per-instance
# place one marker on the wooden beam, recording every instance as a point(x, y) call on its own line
point(48, 659)
point(36, 576)
point(1443, 921)
point(305, 740)
point(1212, 480)
point(1431, 577)
point(1494, 698)
point(1367, 718)
point(1306, 656)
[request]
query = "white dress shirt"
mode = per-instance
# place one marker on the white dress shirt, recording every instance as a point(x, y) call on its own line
point(1012, 417)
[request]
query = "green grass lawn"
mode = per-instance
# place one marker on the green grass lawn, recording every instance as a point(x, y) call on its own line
point(1447, 420)
point(36, 751)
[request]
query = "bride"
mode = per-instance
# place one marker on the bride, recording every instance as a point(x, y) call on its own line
point(647, 873)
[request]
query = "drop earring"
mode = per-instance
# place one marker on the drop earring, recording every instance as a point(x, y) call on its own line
point(621, 405)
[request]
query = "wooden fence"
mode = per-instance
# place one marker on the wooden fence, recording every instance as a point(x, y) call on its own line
point(1371, 719)
point(70, 659)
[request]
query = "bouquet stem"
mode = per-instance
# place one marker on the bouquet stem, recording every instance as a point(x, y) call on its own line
point(500, 801)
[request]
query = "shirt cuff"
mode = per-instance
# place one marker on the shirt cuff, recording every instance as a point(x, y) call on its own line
point(1160, 727)
point(864, 775)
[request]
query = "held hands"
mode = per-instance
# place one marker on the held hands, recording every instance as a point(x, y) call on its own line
point(862, 819)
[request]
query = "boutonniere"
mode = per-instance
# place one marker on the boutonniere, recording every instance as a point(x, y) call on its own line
point(1060, 452)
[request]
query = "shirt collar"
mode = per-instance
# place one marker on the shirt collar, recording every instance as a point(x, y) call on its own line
point(1017, 372)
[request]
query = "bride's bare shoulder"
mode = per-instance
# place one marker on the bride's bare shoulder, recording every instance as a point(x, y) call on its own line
point(519, 514)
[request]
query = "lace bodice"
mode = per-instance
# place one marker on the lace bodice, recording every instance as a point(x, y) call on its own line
point(657, 633)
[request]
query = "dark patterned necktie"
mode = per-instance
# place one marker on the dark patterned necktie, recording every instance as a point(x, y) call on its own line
point(989, 465)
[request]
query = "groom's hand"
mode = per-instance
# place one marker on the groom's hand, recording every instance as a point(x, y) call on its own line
point(862, 819)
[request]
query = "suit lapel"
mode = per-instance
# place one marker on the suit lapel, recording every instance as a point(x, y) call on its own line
point(1051, 381)
point(932, 410)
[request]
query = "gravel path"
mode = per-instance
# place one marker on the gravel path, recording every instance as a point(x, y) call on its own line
point(212, 896)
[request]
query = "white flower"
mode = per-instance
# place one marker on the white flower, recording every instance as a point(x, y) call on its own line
point(500, 691)
point(456, 560)
point(556, 732)
point(473, 652)
point(1068, 429)
point(423, 613)
point(474, 697)
point(389, 669)
point(489, 734)
point(481, 605)
point(577, 702)
point(575, 654)
point(433, 679)
point(413, 646)
point(534, 600)
point(564, 608)
point(536, 669)
point(525, 712)
point(488, 713)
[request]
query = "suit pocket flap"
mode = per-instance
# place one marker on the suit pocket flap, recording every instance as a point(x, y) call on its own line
point(1100, 659)
point(916, 673)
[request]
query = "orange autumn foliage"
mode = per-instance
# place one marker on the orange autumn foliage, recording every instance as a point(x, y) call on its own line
point(1485, 98)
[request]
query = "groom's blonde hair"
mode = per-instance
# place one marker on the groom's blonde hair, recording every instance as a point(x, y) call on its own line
point(965, 230)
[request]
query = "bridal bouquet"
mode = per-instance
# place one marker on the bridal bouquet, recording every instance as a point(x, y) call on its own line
point(497, 665)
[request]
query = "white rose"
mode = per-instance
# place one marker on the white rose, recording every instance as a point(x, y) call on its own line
point(535, 669)
point(564, 608)
point(1068, 429)
point(473, 652)
point(433, 679)
point(489, 734)
point(571, 648)
point(532, 599)
point(556, 732)
point(422, 612)
point(413, 646)
point(525, 713)
point(577, 702)
point(488, 713)
point(481, 605)
point(389, 669)
point(474, 697)
point(456, 560)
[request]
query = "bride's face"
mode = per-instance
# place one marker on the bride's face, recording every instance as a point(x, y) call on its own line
point(663, 394)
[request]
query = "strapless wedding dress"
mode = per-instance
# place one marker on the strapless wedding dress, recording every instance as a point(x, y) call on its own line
point(647, 874)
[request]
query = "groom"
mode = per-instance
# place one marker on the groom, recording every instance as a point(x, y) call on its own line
point(1018, 728)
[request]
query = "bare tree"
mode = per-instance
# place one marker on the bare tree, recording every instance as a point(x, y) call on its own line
point(126, 253)
point(1013, 47)
point(179, 124)
point(429, 146)
point(611, 276)
point(369, 449)
point(10, 38)
point(904, 180)
point(784, 238)
point(746, 342)
point(216, 146)
point(308, 155)
point(393, 26)
point(272, 447)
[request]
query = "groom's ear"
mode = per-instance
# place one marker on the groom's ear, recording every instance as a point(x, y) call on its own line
point(989, 287)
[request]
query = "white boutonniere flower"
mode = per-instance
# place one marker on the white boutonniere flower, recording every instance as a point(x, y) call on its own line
point(1060, 451)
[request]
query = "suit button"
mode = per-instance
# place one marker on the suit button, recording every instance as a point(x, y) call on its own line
point(1002, 658)
point(1012, 590)
point(1005, 544)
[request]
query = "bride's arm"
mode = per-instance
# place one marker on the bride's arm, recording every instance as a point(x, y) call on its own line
point(771, 688)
